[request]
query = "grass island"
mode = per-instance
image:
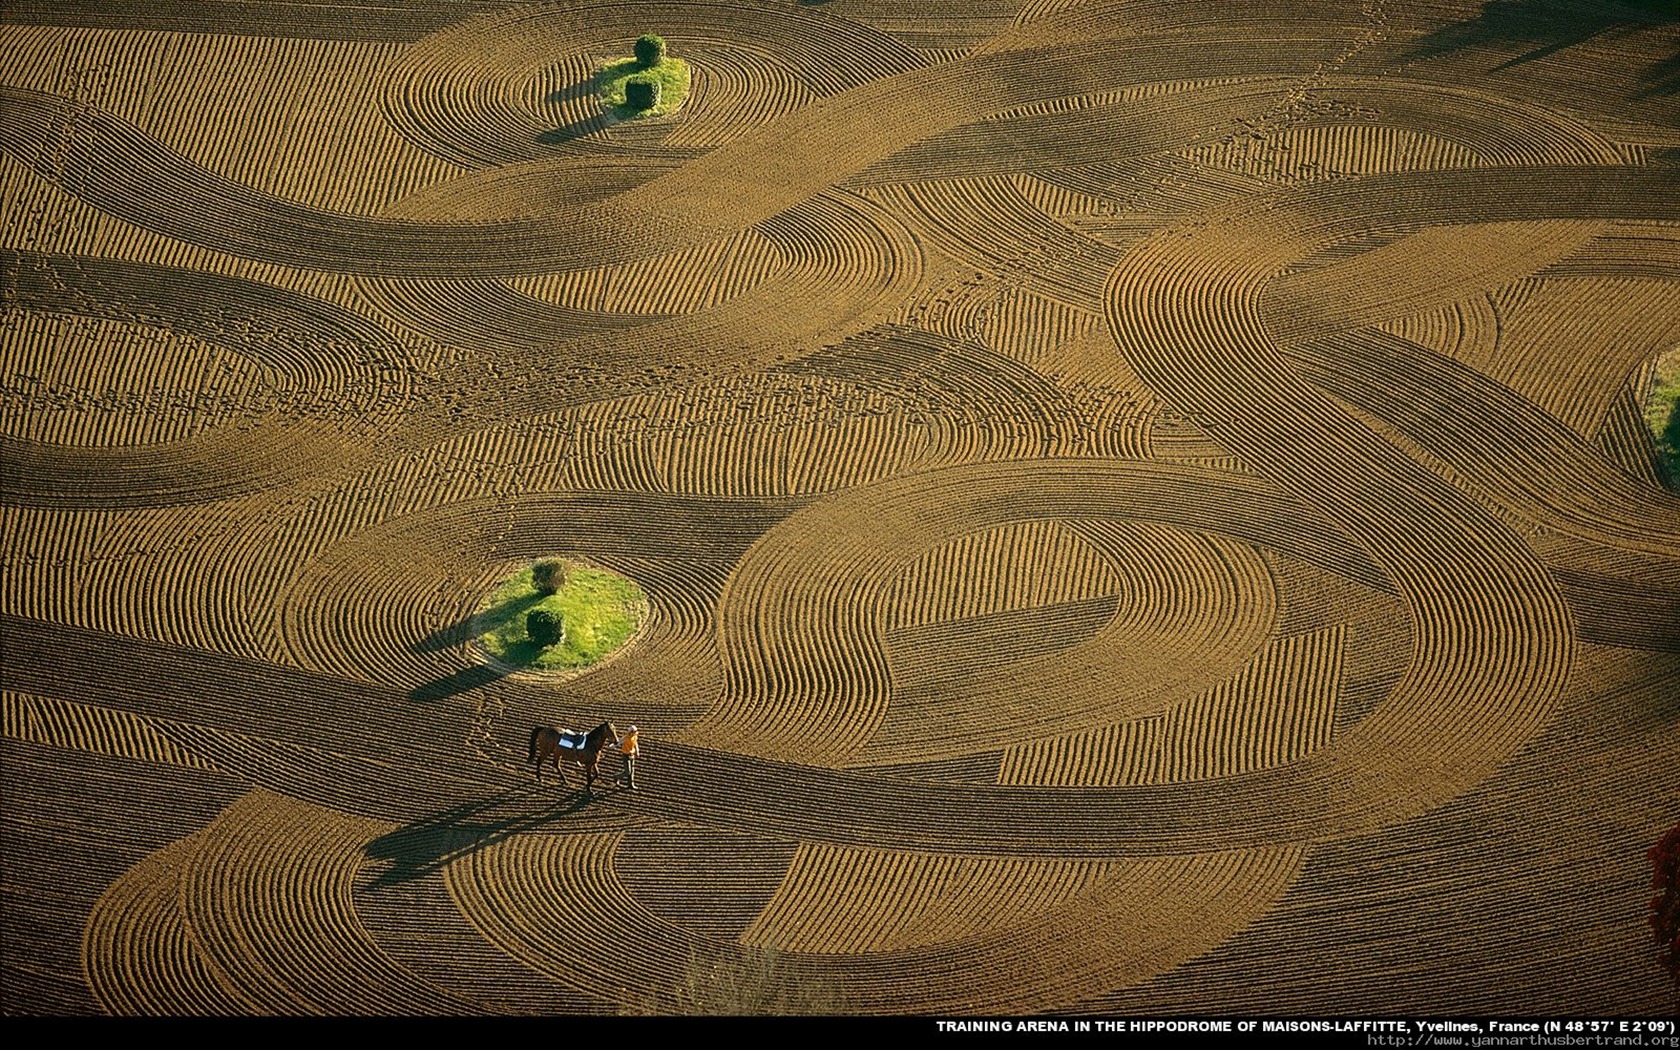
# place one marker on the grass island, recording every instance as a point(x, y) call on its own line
point(649, 83)
point(600, 611)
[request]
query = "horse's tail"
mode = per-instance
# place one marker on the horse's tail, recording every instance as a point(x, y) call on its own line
point(532, 757)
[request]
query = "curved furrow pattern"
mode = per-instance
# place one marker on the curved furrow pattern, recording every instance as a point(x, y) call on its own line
point(759, 175)
point(327, 743)
point(1625, 439)
point(1650, 251)
point(801, 621)
point(489, 315)
point(1437, 264)
point(329, 375)
point(1279, 709)
point(710, 881)
point(1612, 325)
point(1031, 327)
point(94, 730)
point(321, 92)
point(1468, 331)
point(685, 281)
point(757, 437)
point(1092, 133)
point(1370, 126)
point(1488, 664)
point(1523, 457)
point(737, 86)
point(217, 465)
point(975, 403)
point(1373, 125)
point(140, 954)
point(1031, 565)
point(561, 907)
point(989, 222)
point(80, 381)
point(1187, 611)
point(492, 90)
point(1633, 609)
point(847, 266)
point(525, 191)
point(268, 895)
point(1318, 151)
point(316, 345)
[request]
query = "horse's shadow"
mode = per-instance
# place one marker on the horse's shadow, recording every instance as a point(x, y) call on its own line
point(425, 847)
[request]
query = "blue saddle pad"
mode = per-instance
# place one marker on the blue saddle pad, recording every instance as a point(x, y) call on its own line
point(573, 741)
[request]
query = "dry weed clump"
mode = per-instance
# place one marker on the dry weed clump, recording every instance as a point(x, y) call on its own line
point(756, 983)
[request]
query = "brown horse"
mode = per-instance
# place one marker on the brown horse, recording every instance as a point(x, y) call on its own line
point(563, 747)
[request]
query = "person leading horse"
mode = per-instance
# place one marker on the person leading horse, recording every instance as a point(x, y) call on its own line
point(563, 748)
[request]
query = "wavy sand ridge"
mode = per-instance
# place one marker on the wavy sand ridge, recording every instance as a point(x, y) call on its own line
point(1278, 709)
point(93, 730)
point(252, 101)
point(1629, 324)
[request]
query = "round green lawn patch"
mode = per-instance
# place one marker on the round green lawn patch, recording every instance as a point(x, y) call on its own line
point(600, 611)
point(673, 76)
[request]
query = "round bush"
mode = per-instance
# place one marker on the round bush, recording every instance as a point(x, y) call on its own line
point(549, 576)
point(544, 627)
point(641, 93)
point(650, 50)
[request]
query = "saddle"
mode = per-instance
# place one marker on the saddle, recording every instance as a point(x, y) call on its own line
point(574, 741)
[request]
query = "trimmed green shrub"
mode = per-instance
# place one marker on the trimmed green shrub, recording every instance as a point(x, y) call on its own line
point(641, 92)
point(650, 50)
point(548, 576)
point(545, 627)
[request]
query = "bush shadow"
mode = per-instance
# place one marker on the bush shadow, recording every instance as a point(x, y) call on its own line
point(583, 89)
point(464, 680)
point(572, 92)
point(575, 130)
point(446, 638)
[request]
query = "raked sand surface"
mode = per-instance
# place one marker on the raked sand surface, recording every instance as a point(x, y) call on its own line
point(1144, 505)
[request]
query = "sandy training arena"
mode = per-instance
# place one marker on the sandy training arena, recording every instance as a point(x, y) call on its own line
point(1144, 506)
